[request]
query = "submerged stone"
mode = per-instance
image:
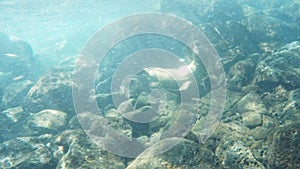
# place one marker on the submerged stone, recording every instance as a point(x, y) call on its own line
point(280, 68)
point(186, 154)
point(241, 74)
point(14, 113)
point(285, 147)
point(237, 155)
point(80, 152)
point(52, 91)
point(26, 152)
point(16, 56)
point(48, 119)
point(13, 95)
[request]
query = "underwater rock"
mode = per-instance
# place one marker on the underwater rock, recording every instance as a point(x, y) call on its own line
point(235, 146)
point(52, 91)
point(283, 105)
point(280, 68)
point(134, 116)
point(253, 117)
point(27, 152)
point(223, 22)
point(14, 47)
point(292, 107)
point(232, 97)
point(237, 155)
point(285, 146)
point(252, 114)
point(231, 143)
point(118, 122)
point(9, 123)
point(260, 133)
point(227, 40)
point(231, 131)
point(48, 119)
point(272, 31)
point(16, 56)
point(142, 100)
point(275, 101)
point(186, 154)
point(240, 74)
point(21, 47)
point(80, 152)
point(251, 109)
point(14, 93)
point(14, 113)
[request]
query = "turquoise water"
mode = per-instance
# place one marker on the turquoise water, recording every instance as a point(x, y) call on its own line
point(149, 84)
point(49, 25)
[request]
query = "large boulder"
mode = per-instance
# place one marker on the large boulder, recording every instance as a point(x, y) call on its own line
point(47, 120)
point(11, 123)
point(27, 152)
point(284, 147)
point(241, 74)
point(272, 23)
point(16, 56)
point(13, 94)
point(80, 152)
point(186, 154)
point(18, 69)
point(280, 68)
point(52, 91)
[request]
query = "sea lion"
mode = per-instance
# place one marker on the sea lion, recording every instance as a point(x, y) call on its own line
point(182, 75)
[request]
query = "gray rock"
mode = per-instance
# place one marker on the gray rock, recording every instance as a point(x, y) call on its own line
point(223, 22)
point(52, 91)
point(280, 68)
point(292, 107)
point(237, 155)
point(284, 147)
point(14, 93)
point(48, 119)
point(118, 122)
point(12, 123)
point(260, 132)
point(226, 36)
point(232, 143)
point(251, 109)
point(283, 106)
point(186, 154)
point(232, 131)
point(21, 47)
point(26, 152)
point(275, 102)
point(15, 113)
point(240, 74)
point(80, 152)
point(253, 117)
point(16, 56)
point(268, 121)
point(272, 23)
